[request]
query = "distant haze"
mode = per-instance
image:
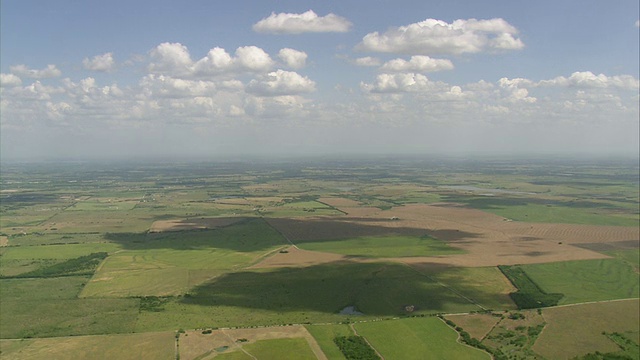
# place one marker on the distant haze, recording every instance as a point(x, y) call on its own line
point(221, 79)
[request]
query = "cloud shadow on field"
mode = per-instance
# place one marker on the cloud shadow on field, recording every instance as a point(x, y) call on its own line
point(380, 289)
point(255, 234)
point(339, 228)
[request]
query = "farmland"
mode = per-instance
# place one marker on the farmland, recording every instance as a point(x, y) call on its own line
point(156, 253)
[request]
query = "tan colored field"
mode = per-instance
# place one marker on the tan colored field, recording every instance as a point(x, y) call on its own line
point(577, 330)
point(196, 345)
point(477, 325)
point(193, 224)
point(4, 240)
point(488, 239)
point(160, 345)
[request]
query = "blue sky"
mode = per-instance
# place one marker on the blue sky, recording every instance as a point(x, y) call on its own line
point(219, 78)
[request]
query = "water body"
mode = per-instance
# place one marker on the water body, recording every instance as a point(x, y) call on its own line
point(350, 310)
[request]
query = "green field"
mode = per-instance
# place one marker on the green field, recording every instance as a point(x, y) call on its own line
point(586, 280)
point(54, 292)
point(324, 335)
point(172, 263)
point(416, 338)
point(384, 246)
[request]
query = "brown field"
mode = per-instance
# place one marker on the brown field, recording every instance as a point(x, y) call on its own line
point(193, 224)
point(487, 239)
point(4, 240)
point(577, 330)
point(196, 345)
point(477, 325)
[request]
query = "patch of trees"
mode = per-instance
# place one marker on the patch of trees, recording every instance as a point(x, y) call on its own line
point(83, 265)
point(153, 303)
point(471, 341)
point(529, 294)
point(355, 348)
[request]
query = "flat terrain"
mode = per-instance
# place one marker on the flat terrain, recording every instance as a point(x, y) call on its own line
point(243, 260)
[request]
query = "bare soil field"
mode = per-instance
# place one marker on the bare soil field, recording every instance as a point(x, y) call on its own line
point(196, 345)
point(488, 239)
point(193, 224)
point(4, 241)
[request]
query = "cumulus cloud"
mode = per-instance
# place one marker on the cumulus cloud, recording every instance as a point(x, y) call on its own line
point(399, 83)
point(9, 80)
point(293, 58)
point(253, 58)
point(433, 36)
point(102, 62)
point(281, 82)
point(366, 61)
point(175, 60)
point(417, 63)
point(589, 79)
point(49, 72)
point(287, 23)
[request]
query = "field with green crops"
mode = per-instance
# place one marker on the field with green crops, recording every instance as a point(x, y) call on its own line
point(128, 259)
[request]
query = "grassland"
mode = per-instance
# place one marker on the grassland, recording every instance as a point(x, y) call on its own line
point(417, 338)
point(586, 280)
point(126, 347)
point(384, 246)
point(181, 246)
point(324, 335)
point(579, 329)
point(172, 263)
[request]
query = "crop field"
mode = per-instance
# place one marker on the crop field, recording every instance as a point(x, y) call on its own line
point(384, 246)
point(587, 280)
point(243, 260)
point(416, 338)
point(160, 345)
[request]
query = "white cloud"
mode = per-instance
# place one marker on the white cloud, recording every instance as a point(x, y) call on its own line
point(9, 80)
point(417, 63)
point(49, 72)
point(366, 61)
point(102, 62)
point(293, 58)
point(287, 23)
point(217, 60)
point(637, 23)
point(253, 58)
point(165, 86)
point(589, 79)
point(281, 82)
point(399, 83)
point(439, 37)
point(174, 59)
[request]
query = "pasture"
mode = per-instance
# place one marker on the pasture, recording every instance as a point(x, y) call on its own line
point(335, 245)
point(586, 280)
point(416, 338)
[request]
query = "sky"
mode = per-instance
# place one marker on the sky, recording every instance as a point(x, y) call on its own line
point(211, 79)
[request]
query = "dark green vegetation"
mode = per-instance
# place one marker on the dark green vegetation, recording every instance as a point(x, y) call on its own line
point(145, 247)
point(83, 265)
point(355, 348)
point(529, 294)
